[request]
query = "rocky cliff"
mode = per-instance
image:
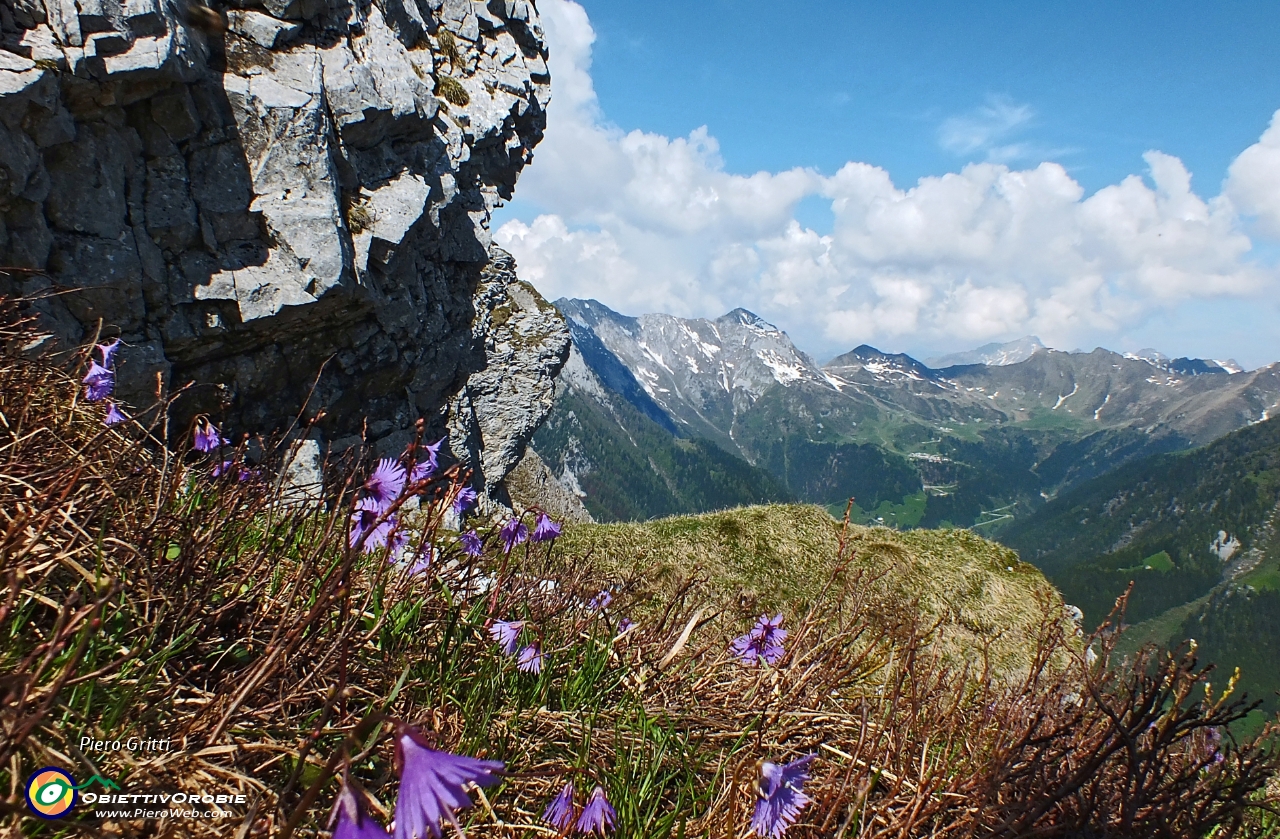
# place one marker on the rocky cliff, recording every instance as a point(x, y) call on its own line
point(287, 203)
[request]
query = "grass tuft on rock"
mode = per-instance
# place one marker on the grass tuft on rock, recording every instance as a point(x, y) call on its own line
point(451, 90)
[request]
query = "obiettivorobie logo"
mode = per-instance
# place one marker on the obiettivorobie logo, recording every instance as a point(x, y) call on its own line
point(51, 793)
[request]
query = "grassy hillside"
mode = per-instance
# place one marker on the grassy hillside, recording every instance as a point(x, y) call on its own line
point(781, 557)
point(970, 475)
point(1238, 623)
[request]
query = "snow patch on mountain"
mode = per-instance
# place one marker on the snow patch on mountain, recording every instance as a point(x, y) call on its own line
point(784, 372)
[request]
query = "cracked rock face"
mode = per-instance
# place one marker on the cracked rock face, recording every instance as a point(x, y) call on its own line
point(276, 201)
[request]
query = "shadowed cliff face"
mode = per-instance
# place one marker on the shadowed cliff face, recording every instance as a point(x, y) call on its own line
point(288, 205)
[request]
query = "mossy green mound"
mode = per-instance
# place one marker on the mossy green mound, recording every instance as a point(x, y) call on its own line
point(783, 556)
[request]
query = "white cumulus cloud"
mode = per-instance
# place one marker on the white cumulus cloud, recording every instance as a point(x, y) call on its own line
point(1253, 181)
point(645, 222)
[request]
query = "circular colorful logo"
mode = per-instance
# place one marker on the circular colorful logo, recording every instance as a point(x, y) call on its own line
point(51, 793)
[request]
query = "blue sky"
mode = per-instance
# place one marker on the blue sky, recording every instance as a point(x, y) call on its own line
point(1101, 82)
point(706, 155)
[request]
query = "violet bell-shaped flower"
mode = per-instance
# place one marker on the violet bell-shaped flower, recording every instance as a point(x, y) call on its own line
point(208, 437)
point(433, 785)
point(780, 796)
point(108, 352)
point(422, 562)
point(471, 543)
point(530, 660)
point(506, 634)
point(350, 819)
point(364, 523)
point(598, 816)
point(544, 530)
point(512, 533)
point(386, 482)
point(559, 813)
point(425, 469)
point(764, 641)
point(99, 382)
point(113, 417)
point(463, 500)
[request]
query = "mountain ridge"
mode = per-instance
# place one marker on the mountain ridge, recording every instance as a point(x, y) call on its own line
point(948, 445)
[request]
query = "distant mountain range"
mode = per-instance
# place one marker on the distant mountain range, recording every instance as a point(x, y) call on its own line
point(1014, 352)
point(975, 444)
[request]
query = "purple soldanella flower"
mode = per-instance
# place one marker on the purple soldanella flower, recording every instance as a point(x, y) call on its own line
point(764, 641)
point(625, 625)
point(108, 352)
point(471, 544)
point(386, 482)
point(223, 468)
point(350, 819)
point(544, 530)
point(597, 816)
point(113, 417)
point(512, 533)
point(463, 500)
point(208, 437)
point(422, 562)
point(98, 382)
point(433, 785)
point(601, 601)
point(427, 468)
point(364, 520)
point(507, 635)
point(559, 813)
point(780, 796)
point(530, 660)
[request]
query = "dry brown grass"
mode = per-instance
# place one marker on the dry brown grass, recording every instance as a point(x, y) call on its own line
point(984, 600)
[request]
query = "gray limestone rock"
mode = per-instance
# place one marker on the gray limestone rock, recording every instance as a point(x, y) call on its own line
point(263, 30)
point(302, 476)
point(525, 342)
point(533, 484)
point(282, 212)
